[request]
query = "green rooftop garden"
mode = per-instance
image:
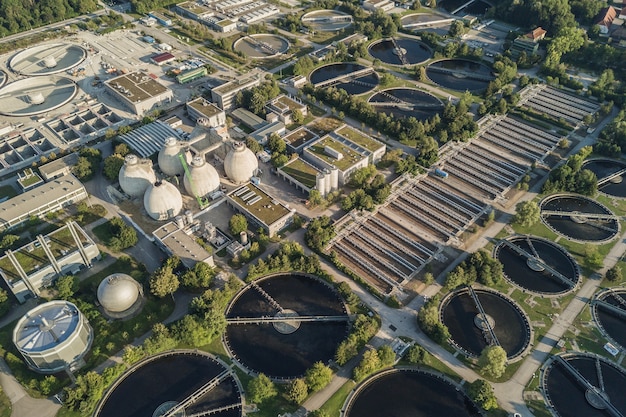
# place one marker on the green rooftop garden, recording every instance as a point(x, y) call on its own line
point(360, 139)
point(263, 209)
point(350, 157)
point(301, 171)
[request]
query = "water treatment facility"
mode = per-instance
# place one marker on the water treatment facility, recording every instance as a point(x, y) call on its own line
point(237, 208)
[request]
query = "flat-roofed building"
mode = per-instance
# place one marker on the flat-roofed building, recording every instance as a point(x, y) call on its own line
point(192, 10)
point(191, 75)
point(180, 241)
point(284, 106)
point(162, 58)
point(263, 134)
point(224, 95)
point(37, 264)
point(58, 167)
point(306, 177)
point(373, 5)
point(248, 118)
point(261, 209)
point(298, 139)
point(51, 196)
point(201, 108)
point(161, 18)
point(138, 91)
point(149, 139)
point(346, 149)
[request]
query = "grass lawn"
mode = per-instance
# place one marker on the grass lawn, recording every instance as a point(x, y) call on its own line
point(334, 403)
point(103, 232)
point(302, 172)
point(5, 405)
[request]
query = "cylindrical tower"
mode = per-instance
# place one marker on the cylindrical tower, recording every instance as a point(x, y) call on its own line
point(334, 179)
point(320, 183)
point(162, 201)
point(53, 336)
point(243, 237)
point(240, 163)
point(136, 175)
point(169, 161)
point(188, 216)
point(204, 178)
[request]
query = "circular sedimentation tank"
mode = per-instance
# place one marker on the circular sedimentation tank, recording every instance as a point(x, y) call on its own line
point(579, 218)
point(466, 324)
point(33, 96)
point(609, 312)
point(477, 8)
point(460, 74)
point(261, 45)
point(409, 393)
point(538, 265)
point(609, 174)
point(327, 20)
point(136, 175)
point(285, 349)
point(400, 51)
point(162, 201)
point(572, 386)
point(353, 78)
point(155, 385)
point(406, 102)
point(46, 59)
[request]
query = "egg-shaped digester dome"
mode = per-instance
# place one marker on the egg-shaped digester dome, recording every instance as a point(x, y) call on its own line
point(53, 336)
point(136, 175)
point(162, 201)
point(118, 293)
point(169, 159)
point(204, 178)
point(240, 164)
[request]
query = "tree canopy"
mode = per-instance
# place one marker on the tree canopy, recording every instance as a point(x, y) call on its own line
point(492, 361)
point(261, 388)
point(481, 392)
point(237, 224)
point(527, 213)
point(19, 15)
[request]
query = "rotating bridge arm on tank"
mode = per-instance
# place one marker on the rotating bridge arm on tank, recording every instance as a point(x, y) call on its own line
point(613, 411)
point(535, 258)
point(611, 176)
point(595, 216)
point(613, 308)
point(486, 326)
point(400, 52)
point(268, 297)
point(196, 395)
point(214, 411)
point(274, 319)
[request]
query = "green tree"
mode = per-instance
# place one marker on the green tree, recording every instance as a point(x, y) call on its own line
point(200, 276)
point(614, 274)
point(260, 389)
point(253, 145)
point(481, 392)
point(527, 213)
point(387, 355)
point(415, 354)
point(297, 391)
point(276, 144)
point(8, 241)
point(112, 166)
point(369, 364)
point(237, 224)
point(318, 376)
point(83, 169)
point(163, 282)
point(456, 29)
point(297, 116)
point(492, 361)
point(67, 285)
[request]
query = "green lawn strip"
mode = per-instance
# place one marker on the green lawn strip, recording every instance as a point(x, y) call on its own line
point(538, 408)
point(335, 403)
point(103, 232)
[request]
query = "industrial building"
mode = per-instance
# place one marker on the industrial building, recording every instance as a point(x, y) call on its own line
point(224, 95)
point(261, 209)
point(36, 265)
point(148, 139)
point(283, 107)
point(138, 91)
point(306, 177)
point(161, 18)
point(373, 5)
point(120, 296)
point(20, 148)
point(191, 75)
point(59, 167)
point(298, 139)
point(51, 196)
point(177, 239)
point(345, 149)
point(200, 108)
point(162, 58)
point(53, 337)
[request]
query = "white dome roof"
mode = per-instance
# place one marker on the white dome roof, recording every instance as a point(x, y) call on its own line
point(204, 178)
point(240, 164)
point(168, 159)
point(118, 292)
point(162, 201)
point(136, 175)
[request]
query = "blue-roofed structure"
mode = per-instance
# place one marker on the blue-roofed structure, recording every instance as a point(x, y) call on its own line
point(149, 139)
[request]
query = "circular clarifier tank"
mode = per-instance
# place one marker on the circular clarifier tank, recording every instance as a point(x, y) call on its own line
point(400, 51)
point(579, 384)
point(538, 265)
point(610, 174)
point(353, 78)
point(261, 45)
point(32, 96)
point(460, 74)
point(282, 324)
point(406, 102)
point(469, 330)
point(156, 385)
point(579, 218)
point(409, 393)
point(327, 20)
point(47, 59)
point(609, 312)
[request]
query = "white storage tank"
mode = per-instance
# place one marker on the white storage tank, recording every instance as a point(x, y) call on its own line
point(120, 295)
point(136, 175)
point(240, 163)
point(204, 178)
point(162, 201)
point(169, 161)
point(320, 183)
point(53, 336)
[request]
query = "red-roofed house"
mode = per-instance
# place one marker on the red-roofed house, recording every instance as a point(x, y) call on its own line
point(537, 34)
point(605, 18)
point(161, 59)
point(529, 43)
